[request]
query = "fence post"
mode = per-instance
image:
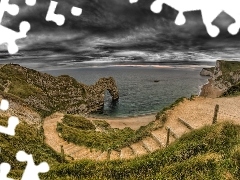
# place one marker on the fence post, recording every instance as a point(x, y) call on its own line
point(168, 136)
point(215, 114)
point(62, 153)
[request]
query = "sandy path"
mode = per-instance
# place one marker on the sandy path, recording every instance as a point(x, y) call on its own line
point(200, 112)
point(195, 113)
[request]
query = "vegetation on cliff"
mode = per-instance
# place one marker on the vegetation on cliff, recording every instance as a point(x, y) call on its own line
point(47, 94)
point(225, 79)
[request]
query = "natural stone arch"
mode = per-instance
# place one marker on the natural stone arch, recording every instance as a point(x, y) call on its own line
point(96, 93)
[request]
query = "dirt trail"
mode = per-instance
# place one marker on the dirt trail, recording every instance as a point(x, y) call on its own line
point(193, 114)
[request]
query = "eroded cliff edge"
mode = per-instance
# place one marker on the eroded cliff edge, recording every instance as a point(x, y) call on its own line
point(47, 94)
point(224, 79)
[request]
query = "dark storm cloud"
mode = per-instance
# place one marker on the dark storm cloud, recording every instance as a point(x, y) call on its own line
point(98, 15)
point(113, 24)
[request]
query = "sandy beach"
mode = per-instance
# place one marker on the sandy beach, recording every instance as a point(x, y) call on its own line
point(132, 122)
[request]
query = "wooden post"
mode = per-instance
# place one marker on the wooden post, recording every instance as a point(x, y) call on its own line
point(215, 114)
point(62, 153)
point(168, 136)
point(108, 153)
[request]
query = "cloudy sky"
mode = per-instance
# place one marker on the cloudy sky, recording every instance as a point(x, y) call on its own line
point(115, 29)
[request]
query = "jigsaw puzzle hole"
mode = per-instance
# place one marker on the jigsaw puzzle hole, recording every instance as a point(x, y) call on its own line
point(156, 6)
point(24, 27)
point(233, 29)
point(13, 9)
point(180, 20)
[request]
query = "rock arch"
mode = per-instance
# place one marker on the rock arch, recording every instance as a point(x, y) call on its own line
point(96, 93)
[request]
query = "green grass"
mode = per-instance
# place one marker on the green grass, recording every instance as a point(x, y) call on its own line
point(42, 92)
point(27, 139)
point(212, 152)
point(102, 124)
point(78, 122)
point(229, 66)
point(113, 139)
point(108, 139)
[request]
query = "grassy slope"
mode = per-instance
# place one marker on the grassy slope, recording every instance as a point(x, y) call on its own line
point(212, 152)
point(79, 130)
point(72, 130)
point(78, 122)
point(51, 92)
point(229, 66)
point(27, 139)
point(109, 139)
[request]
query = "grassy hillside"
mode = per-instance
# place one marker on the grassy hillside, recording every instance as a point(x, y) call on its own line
point(81, 131)
point(43, 92)
point(48, 94)
point(29, 139)
point(229, 66)
point(212, 152)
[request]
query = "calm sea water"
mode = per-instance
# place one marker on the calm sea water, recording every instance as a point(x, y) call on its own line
point(139, 93)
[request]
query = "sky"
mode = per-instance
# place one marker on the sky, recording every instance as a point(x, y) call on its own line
point(115, 30)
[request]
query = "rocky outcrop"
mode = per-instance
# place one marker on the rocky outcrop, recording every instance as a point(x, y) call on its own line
point(226, 75)
point(207, 71)
point(47, 94)
point(96, 93)
point(19, 109)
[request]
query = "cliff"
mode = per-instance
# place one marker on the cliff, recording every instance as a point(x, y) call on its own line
point(207, 71)
point(226, 76)
point(47, 94)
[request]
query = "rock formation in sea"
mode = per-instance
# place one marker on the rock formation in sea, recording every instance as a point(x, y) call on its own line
point(47, 94)
point(207, 71)
point(225, 76)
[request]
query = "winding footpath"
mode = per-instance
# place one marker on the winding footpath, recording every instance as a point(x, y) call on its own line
point(185, 117)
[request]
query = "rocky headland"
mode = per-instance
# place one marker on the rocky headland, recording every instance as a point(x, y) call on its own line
point(225, 79)
point(207, 71)
point(46, 94)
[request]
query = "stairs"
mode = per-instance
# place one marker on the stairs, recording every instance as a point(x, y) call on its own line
point(156, 141)
point(151, 144)
point(126, 153)
point(138, 148)
point(185, 117)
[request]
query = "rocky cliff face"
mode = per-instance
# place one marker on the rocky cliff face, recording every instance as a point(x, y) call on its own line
point(47, 94)
point(226, 75)
point(207, 72)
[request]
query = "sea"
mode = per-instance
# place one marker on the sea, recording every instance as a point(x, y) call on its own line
point(143, 89)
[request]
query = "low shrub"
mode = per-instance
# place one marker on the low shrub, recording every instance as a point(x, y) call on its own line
point(78, 122)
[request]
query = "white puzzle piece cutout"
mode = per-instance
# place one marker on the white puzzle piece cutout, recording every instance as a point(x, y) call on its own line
point(4, 170)
point(10, 129)
point(31, 171)
point(76, 11)
point(210, 10)
point(7, 35)
point(51, 16)
point(4, 105)
point(30, 2)
point(133, 1)
point(12, 121)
